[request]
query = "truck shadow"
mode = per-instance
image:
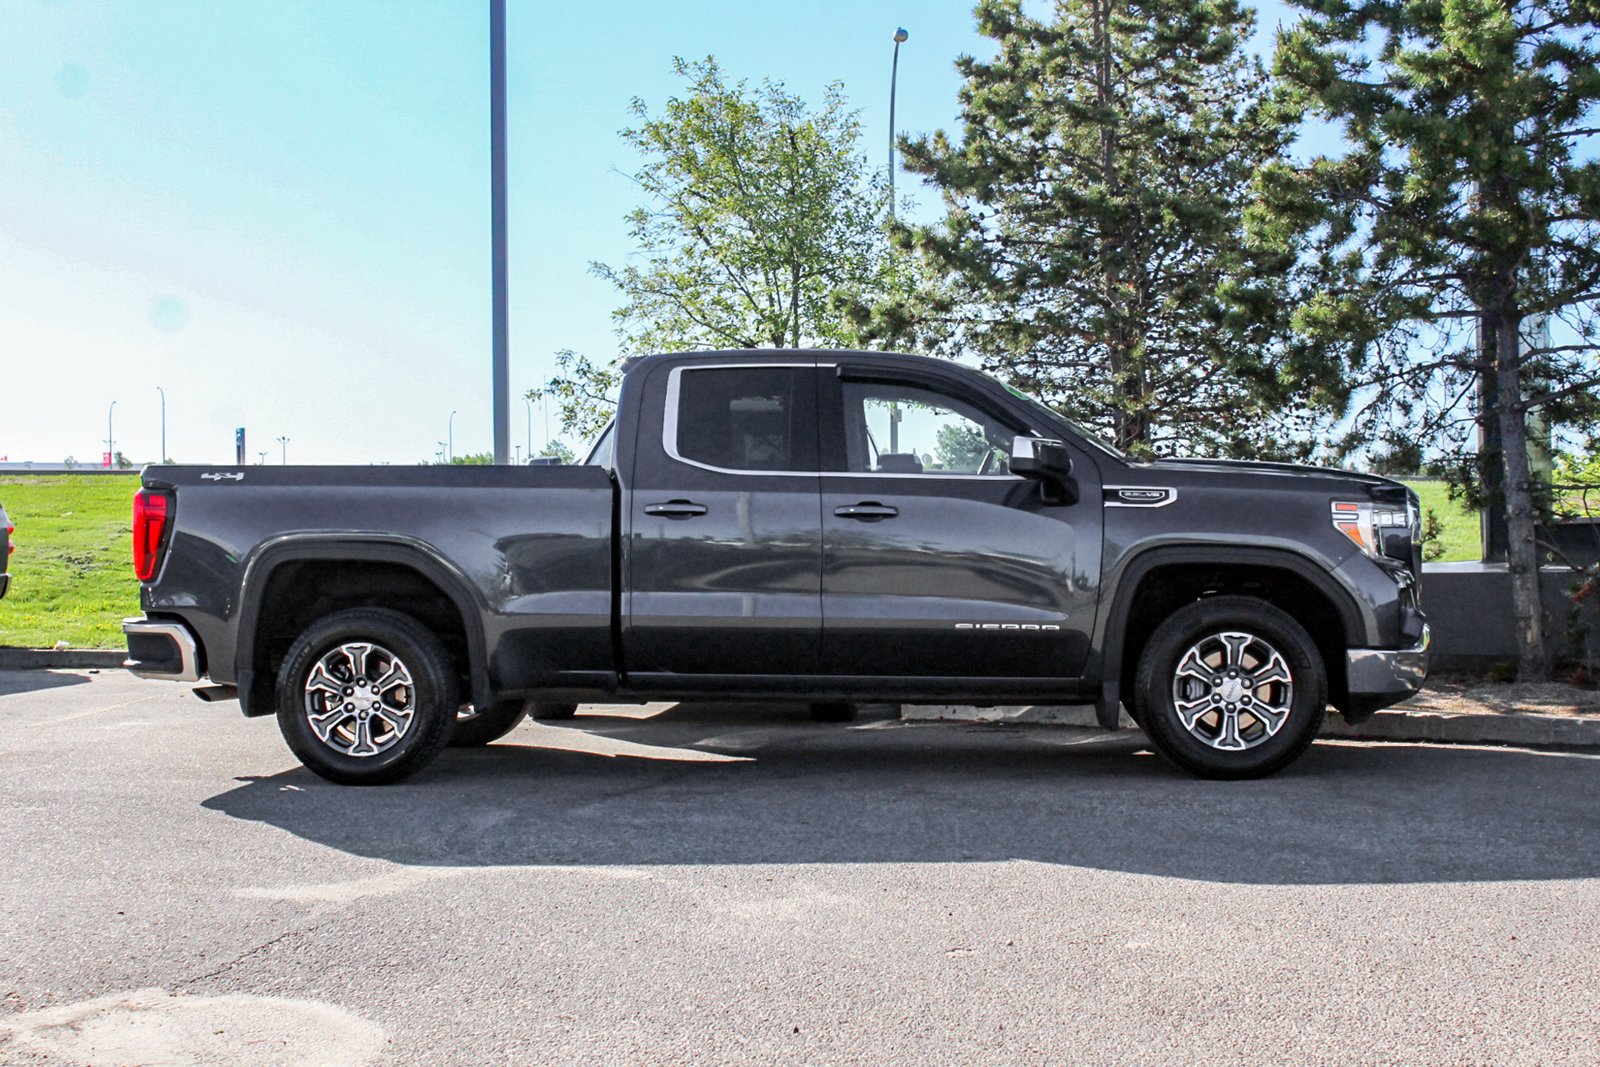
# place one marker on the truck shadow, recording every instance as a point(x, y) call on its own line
point(13, 683)
point(701, 786)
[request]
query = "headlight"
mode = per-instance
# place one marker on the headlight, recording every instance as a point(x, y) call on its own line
point(1373, 527)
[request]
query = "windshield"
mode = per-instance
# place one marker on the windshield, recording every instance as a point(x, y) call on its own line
point(1089, 436)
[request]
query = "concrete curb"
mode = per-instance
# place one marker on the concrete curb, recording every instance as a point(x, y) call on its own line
point(1467, 728)
point(34, 659)
point(1457, 728)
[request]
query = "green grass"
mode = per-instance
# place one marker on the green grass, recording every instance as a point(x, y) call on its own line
point(1458, 533)
point(72, 573)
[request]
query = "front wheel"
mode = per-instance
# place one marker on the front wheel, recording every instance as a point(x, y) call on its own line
point(367, 696)
point(1231, 687)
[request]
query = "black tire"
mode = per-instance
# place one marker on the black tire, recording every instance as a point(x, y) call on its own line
point(430, 693)
point(1290, 712)
point(490, 725)
point(553, 712)
point(833, 711)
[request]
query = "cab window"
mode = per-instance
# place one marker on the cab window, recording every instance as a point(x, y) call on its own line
point(745, 418)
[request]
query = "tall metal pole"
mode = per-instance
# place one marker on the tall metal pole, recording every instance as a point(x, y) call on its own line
point(111, 438)
point(283, 443)
point(163, 393)
point(894, 75)
point(497, 224)
point(452, 436)
point(528, 404)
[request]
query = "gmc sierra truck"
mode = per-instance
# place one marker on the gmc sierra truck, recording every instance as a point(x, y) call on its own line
point(827, 526)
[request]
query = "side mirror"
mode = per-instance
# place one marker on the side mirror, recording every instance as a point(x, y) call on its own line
point(1047, 461)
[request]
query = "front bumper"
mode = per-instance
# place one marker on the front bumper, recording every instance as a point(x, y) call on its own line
point(1378, 677)
point(163, 649)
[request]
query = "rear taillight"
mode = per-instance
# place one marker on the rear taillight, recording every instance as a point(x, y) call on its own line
point(11, 546)
point(149, 529)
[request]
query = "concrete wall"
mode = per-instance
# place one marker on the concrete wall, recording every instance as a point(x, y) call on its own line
point(1469, 608)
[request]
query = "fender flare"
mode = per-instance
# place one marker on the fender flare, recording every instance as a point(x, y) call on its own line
point(404, 551)
point(1112, 626)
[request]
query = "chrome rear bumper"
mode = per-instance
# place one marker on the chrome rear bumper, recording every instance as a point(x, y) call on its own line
point(161, 649)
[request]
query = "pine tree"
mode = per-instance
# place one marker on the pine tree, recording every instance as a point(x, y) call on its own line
point(1464, 206)
point(1092, 251)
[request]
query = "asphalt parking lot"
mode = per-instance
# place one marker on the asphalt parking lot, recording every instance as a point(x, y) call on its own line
point(722, 884)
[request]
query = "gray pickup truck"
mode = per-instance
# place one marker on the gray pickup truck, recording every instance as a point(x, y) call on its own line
point(833, 527)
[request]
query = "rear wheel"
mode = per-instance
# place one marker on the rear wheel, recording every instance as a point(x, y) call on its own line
point(553, 712)
point(476, 728)
point(833, 711)
point(367, 696)
point(1231, 687)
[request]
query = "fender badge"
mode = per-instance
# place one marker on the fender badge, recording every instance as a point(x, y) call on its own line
point(1138, 496)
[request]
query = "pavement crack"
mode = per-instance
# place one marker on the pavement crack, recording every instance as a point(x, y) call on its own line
point(249, 953)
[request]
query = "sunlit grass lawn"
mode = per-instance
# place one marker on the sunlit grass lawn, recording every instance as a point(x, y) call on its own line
point(72, 573)
point(1458, 534)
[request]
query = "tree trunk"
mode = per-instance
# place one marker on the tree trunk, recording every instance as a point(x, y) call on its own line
point(1522, 553)
point(1125, 389)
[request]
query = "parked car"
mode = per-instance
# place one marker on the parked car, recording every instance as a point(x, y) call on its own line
point(828, 526)
point(6, 548)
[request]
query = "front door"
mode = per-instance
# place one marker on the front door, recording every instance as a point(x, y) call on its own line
point(937, 561)
point(724, 536)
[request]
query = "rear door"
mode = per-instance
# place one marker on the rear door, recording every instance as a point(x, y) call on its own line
point(723, 529)
point(937, 561)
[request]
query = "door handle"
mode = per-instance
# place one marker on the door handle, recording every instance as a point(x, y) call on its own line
point(676, 509)
point(866, 511)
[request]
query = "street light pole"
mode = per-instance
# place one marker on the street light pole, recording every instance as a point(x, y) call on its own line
point(497, 225)
point(261, 458)
point(900, 36)
point(284, 444)
point(528, 404)
point(451, 436)
point(163, 393)
point(111, 438)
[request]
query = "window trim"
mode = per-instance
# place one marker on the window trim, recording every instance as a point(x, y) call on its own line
point(669, 426)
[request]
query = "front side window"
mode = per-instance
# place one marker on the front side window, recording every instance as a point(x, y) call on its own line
point(897, 428)
point(745, 418)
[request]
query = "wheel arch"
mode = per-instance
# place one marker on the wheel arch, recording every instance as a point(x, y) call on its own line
point(437, 594)
point(1158, 580)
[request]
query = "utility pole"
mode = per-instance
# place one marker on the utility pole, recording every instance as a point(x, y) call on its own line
point(111, 438)
point(163, 392)
point(497, 225)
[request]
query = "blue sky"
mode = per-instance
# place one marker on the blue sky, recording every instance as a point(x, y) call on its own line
point(277, 210)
